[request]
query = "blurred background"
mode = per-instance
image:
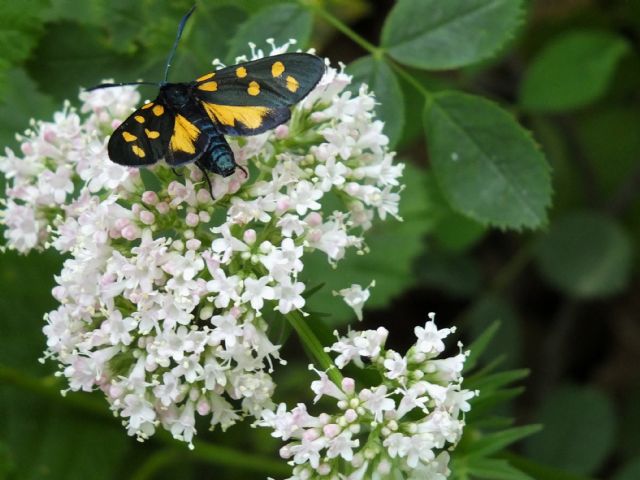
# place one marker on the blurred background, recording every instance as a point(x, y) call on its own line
point(567, 295)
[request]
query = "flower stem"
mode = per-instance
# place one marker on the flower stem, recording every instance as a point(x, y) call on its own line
point(309, 339)
point(49, 388)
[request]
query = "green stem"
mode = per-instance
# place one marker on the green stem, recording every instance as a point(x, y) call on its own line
point(342, 27)
point(314, 346)
point(377, 52)
point(49, 388)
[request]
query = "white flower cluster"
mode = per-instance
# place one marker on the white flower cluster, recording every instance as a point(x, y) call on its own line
point(399, 428)
point(163, 291)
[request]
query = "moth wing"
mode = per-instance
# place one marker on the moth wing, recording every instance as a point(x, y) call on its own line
point(143, 138)
point(252, 97)
point(187, 142)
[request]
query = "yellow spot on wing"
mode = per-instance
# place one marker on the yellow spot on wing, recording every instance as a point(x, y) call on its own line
point(128, 137)
point(138, 151)
point(147, 105)
point(205, 77)
point(139, 118)
point(241, 72)
point(209, 86)
point(151, 133)
point(158, 110)
point(250, 117)
point(277, 68)
point(184, 133)
point(292, 84)
point(254, 88)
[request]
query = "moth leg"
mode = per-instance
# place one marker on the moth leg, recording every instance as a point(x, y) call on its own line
point(176, 173)
point(243, 170)
point(206, 177)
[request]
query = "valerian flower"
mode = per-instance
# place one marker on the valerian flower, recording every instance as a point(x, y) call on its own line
point(405, 425)
point(164, 289)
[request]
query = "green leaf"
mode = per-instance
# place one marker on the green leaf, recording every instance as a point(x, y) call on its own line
point(508, 338)
point(495, 442)
point(19, 29)
point(487, 165)
point(70, 56)
point(480, 344)
point(539, 471)
point(439, 35)
point(495, 469)
point(392, 272)
point(585, 254)
point(573, 70)
point(23, 102)
point(579, 430)
point(630, 471)
point(382, 81)
point(280, 22)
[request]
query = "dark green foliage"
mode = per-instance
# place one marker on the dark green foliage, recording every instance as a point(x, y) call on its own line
point(519, 125)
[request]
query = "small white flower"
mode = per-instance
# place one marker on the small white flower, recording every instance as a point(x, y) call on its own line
point(355, 296)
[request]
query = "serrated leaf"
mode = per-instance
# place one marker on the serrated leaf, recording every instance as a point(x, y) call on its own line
point(572, 70)
point(487, 165)
point(389, 98)
point(280, 22)
point(437, 35)
point(392, 273)
point(586, 255)
point(579, 430)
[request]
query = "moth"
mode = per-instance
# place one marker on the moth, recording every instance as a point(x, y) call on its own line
point(187, 122)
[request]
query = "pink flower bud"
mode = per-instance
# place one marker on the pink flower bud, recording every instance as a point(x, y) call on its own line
point(350, 415)
point(147, 217)
point(348, 385)
point(162, 207)
point(192, 219)
point(310, 435)
point(203, 407)
point(203, 195)
point(150, 197)
point(313, 219)
point(204, 216)
point(193, 244)
point(281, 131)
point(331, 430)
point(130, 232)
point(249, 236)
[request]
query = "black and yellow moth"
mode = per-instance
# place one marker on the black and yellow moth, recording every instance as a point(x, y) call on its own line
point(187, 122)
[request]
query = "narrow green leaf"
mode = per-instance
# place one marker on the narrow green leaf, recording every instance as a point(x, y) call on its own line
point(484, 404)
point(389, 98)
point(497, 380)
point(487, 165)
point(280, 22)
point(539, 471)
point(150, 180)
point(438, 35)
point(572, 70)
point(498, 441)
point(480, 344)
point(579, 430)
point(586, 254)
point(495, 469)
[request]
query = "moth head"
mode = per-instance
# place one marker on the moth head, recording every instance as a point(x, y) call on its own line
point(176, 94)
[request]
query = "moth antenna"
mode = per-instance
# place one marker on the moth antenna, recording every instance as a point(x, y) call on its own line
point(122, 84)
point(175, 43)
